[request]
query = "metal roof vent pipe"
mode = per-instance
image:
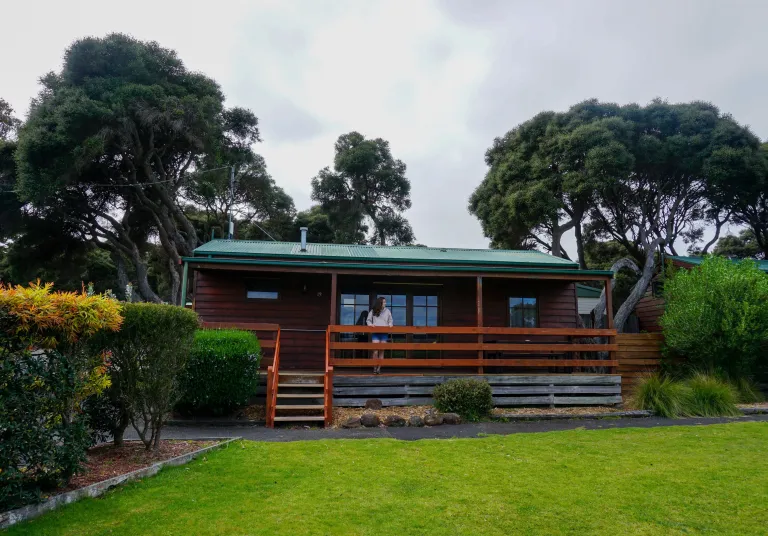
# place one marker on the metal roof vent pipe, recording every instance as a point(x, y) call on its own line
point(303, 239)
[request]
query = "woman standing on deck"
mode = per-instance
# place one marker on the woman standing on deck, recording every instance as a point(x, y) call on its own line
point(379, 316)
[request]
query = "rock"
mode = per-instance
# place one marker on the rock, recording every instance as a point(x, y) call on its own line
point(373, 403)
point(394, 420)
point(352, 422)
point(433, 419)
point(451, 418)
point(369, 420)
point(415, 420)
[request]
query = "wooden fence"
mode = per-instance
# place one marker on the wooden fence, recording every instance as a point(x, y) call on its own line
point(508, 390)
point(638, 354)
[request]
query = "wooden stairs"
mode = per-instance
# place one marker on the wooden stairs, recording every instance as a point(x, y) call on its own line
point(297, 396)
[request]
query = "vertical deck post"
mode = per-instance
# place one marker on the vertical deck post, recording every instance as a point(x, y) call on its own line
point(333, 298)
point(609, 319)
point(480, 318)
point(184, 276)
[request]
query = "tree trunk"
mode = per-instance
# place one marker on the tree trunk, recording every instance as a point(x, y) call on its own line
point(638, 291)
point(173, 270)
point(119, 432)
point(557, 235)
point(600, 312)
point(580, 247)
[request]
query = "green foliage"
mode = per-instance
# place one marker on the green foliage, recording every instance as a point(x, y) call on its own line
point(716, 317)
point(46, 371)
point(711, 396)
point(748, 392)
point(662, 395)
point(222, 372)
point(124, 112)
point(366, 182)
point(741, 246)
point(148, 356)
point(472, 399)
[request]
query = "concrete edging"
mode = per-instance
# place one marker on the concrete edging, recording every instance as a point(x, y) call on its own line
point(32, 511)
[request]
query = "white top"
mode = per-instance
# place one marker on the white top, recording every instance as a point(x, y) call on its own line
point(384, 318)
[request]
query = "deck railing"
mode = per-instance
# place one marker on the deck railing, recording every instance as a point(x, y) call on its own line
point(565, 351)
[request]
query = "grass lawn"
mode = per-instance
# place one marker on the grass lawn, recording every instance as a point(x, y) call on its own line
point(682, 480)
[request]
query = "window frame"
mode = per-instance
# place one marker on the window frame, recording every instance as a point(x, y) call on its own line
point(536, 311)
point(263, 286)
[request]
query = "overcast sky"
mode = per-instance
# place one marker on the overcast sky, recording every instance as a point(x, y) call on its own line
point(438, 79)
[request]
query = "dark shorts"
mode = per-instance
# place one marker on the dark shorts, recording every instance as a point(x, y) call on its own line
point(379, 337)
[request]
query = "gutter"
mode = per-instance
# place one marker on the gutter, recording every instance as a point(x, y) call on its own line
point(405, 267)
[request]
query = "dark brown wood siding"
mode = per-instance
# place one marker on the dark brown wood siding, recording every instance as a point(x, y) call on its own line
point(649, 309)
point(221, 297)
point(303, 304)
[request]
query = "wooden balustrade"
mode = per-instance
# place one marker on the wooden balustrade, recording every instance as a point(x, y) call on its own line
point(555, 349)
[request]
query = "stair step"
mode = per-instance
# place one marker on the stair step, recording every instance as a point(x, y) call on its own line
point(301, 373)
point(301, 385)
point(299, 406)
point(300, 395)
point(301, 418)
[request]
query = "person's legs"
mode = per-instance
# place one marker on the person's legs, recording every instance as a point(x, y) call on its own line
point(376, 353)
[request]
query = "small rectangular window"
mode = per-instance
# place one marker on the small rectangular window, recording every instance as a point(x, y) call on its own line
point(261, 289)
point(523, 313)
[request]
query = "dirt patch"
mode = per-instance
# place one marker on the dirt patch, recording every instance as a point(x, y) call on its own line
point(575, 410)
point(255, 412)
point(107, 461)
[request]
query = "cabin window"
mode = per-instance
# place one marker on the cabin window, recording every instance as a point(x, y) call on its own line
point(523, 313)
point(425, 310)
point(354, 309)
point(261, 289)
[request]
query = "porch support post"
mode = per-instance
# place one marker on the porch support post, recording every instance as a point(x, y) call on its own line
point(480, 318)
point(609, 319)
point(184, 276)
point(334, 277)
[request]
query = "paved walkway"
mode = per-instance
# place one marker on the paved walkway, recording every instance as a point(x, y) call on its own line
point(260, 433)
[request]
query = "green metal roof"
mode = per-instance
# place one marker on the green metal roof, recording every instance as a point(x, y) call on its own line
point(399, 267)
point(364, 254)
point(695, 260)
point(585, 291)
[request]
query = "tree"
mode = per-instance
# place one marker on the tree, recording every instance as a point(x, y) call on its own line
point(644, 174)
point(740, 184)
point(257, 204)
point(131, 122)
point(741, 246)
point(10, 205)
point(366, 184)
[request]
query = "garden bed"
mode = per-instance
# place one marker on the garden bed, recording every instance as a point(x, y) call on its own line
point(107, 461)
point(341, 415)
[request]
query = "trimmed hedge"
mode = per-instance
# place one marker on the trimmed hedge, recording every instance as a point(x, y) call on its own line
point(222, 372)
point(470, 398)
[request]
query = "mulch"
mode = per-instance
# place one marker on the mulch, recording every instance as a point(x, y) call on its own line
point(107, 461)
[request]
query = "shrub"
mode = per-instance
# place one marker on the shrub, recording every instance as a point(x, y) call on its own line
point(148, 356)
point(662, 395)
point(472, 399)
point(711, 396)
point(748, 392)
point(717, 317)
point(222, 371)
point(46, 371)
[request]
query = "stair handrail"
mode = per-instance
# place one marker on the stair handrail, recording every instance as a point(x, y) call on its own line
point(328, 381)
point(273, 373)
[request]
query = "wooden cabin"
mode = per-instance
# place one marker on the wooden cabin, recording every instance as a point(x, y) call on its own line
point(508, 316)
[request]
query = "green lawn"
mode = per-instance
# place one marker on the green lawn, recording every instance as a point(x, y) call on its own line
point(682, 480)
